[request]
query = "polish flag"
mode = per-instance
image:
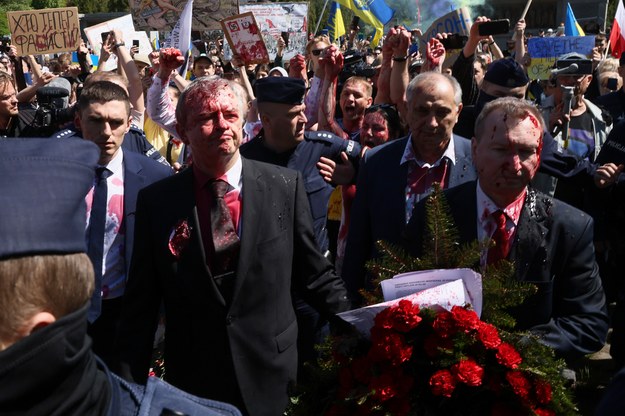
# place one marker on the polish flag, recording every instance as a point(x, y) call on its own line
point(617, 35)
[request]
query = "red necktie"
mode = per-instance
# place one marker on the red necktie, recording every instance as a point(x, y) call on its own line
point(225, 239)
point(501, 237)
point(420, 178)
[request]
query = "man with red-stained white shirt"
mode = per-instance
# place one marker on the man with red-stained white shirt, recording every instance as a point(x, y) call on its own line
point(549, 242)
point(223, 245)
point(103, 116)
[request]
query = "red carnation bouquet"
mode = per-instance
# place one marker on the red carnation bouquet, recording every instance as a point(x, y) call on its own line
point(434, 362)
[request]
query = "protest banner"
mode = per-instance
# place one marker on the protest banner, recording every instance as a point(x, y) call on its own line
point(457, 21)
point(244, 37)
point(544, 52)
point(275, 18)
point(180, 36)
point(43, 31)
point(124, 23)
point(162, 15)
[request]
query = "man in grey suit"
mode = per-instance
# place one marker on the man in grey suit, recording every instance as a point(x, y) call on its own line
point(224, 265)
point(395, 176)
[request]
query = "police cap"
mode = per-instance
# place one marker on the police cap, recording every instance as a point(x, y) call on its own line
point(281, 90)
point(42, 195)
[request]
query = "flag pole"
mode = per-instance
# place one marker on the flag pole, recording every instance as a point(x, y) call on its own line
point(321, 16)
point(527, 7)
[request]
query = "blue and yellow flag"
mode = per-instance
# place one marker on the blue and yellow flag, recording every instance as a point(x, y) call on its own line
point(571, 27)
point(373, 12)
point(335, 26)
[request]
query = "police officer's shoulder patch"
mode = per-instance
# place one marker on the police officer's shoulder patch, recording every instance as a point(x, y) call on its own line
point(63, 134)
point(321, 136)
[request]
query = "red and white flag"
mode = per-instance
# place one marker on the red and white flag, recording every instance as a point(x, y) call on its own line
point(617, 35)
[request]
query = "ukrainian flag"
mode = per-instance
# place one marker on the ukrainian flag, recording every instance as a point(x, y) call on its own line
point(335, 26)
point(373, 12)
point(571, 27)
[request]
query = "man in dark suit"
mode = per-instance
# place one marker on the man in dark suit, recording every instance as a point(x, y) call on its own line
point(47, 366)
point(103, 116)
point(550, 242)
point(224, 264)
point(396, 175)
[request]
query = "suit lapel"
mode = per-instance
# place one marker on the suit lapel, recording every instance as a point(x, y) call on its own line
point(397, 179)
point(134, 180)
point(463, 207)
point(252, 206)
point(528, 247)
point(462, 170)
point(186, 207)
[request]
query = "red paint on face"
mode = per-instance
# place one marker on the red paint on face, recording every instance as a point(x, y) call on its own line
point(374, 130)
point(509, 160)
point(214, 126)
point(536, 130)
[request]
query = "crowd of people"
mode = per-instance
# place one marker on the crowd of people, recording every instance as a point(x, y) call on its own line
point(229, 216)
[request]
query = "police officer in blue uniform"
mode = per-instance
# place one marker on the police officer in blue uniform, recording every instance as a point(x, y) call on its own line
point(46, 363)
point(283, 141)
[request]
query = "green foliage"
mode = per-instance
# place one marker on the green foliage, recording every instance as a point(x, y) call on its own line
point(329, 376)
point(441, 250)
point(100, 6)
point(48, 4)
point(502, 292)
point(10, 6)
point(540, 360)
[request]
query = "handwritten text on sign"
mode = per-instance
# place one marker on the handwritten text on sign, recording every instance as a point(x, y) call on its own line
point(545, 51)
point(45, 30)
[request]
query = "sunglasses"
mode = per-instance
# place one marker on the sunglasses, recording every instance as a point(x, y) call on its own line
point(316, 52)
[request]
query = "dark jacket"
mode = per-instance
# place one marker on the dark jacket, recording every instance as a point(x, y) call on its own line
point(248, 344)
point(53, 372)
point(553, 249)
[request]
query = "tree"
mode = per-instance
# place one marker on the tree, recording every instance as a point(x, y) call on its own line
point(47, 4)
point(90, 6)
point(10, 6)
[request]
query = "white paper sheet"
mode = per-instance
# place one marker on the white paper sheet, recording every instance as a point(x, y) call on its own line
point(407, 283)
point(444, 296)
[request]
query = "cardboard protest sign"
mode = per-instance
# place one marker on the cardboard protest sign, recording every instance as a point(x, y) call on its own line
point(162, 15)
point(545, 51)
point(43, 31)
point(245, 39)
point(124, 24)
point(275, 18)
point(457, 21)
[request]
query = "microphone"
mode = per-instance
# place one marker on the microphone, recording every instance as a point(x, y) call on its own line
point(568, 95)
point(569, 70)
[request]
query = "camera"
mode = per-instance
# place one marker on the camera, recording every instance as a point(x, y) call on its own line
point(354, 65)
point(52, 110)
point(494, 27)
point(455, 41)
point(573, 66)
point(6, 44)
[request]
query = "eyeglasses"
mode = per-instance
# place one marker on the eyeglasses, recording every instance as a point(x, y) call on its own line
point(316, 52)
